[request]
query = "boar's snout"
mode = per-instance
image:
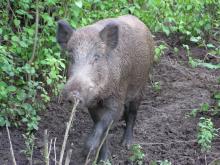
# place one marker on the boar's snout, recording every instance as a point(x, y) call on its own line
point(71, 93)
point(74, 95)
point(78, 88)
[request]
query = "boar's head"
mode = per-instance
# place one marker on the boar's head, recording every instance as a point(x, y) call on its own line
point(89, 50)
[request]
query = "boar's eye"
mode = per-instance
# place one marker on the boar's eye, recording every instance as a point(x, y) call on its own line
point(96, 57)
point(72, 60)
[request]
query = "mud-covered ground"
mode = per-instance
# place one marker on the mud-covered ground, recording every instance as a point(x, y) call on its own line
point(162, 128)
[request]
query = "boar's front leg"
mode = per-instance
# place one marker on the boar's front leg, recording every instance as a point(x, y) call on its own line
point(102, 115)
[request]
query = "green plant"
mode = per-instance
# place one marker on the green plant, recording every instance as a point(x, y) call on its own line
point(164, 162)
point(206, 133)
point(29, 145)
point(160, 162)
point(156, 86)
point(204, 109)
point(159, 51)
point(137, 154)
point(217, 98)
point(105, 163)
point(212, 51)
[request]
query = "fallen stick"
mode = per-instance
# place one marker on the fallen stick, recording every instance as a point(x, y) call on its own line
point(54, 149)
point(87, 158)
point(67, 131)
point(46, 154)
point(11, 148)
point(68, 157)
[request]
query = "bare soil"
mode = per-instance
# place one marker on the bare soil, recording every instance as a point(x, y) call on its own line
point(162, 128)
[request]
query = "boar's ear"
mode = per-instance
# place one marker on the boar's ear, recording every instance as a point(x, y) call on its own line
point(109, 35)
point(64, 32)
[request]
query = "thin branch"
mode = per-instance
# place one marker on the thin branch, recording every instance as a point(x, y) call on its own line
point(50, 147)
point(11, 148)
point(36, 34)
point(102, 142)
point(87, 158)
point(9, 6)
point(55, 153)
point(46, 154)
point(68, 157)
point(31, 157)
point(67, 131)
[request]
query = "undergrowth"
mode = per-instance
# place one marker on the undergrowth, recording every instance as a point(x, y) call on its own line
point(32, 70)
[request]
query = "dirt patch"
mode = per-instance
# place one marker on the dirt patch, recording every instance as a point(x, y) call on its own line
point(162, 128)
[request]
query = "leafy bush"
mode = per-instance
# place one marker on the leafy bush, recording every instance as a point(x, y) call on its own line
point(190, 18)
point(28, 75)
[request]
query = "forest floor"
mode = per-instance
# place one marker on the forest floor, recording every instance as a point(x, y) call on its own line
point(162, 128)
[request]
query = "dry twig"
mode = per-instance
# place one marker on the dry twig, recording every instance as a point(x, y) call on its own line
point(87, 158)
point(55, 153)
point(68, 157)
point(46, 154)
point(67, 131)
point(11, 148)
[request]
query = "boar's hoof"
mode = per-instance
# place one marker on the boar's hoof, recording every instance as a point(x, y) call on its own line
point(104, 155)
point(127, 142)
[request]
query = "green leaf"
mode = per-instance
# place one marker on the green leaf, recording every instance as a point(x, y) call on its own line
point(15, 39)
point(166, 30)
point(195, 39)
point(210, 46)
point(11, 88)
point(217, 96)
point(17, 22)
point(79, 4)
point(21, 95)
point(210, 65)
point(205, 107)
point(2, 121)
point(23, 44)
point(49, 81)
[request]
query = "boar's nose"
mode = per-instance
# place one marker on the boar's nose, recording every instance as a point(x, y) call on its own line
point(74, 95)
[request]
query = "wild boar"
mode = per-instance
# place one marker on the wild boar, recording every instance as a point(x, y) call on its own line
point(109, 66)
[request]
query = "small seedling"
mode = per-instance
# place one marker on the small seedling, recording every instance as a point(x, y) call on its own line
point(217, 98)
point(164, 162)
point(137, 154)
point(159, 51)
point(156, 86)
point(205, 107)
point(105, 163)
point(206, 133)
point(29, 145)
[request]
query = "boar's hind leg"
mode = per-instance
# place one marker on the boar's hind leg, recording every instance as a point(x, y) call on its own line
point(130, 114)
